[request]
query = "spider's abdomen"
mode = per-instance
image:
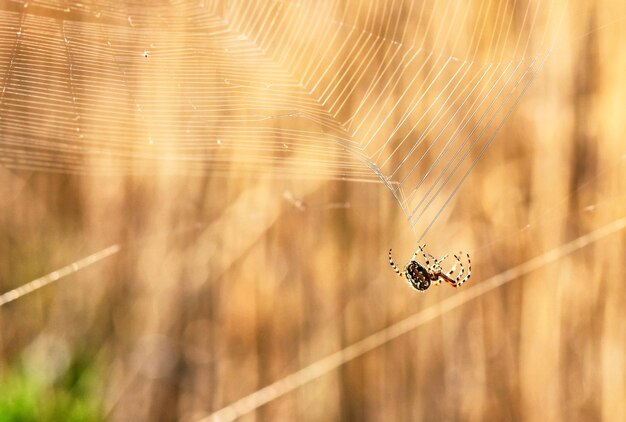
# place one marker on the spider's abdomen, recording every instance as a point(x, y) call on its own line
point(417, 275)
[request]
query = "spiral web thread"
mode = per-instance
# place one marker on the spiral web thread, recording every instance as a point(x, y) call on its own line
point(407, 93)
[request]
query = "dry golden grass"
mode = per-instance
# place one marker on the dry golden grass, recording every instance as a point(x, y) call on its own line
point(225, 284)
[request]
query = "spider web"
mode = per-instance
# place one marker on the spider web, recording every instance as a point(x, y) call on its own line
point(403, 92)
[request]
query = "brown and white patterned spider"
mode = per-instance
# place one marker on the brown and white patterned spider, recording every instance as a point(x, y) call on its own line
point(422, 276)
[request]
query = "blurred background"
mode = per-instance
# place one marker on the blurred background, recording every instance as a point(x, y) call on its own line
point(239, 158)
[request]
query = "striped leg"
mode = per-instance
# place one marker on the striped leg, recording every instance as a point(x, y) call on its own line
point(424, 254)
point(460, 280)
point(437, 265)
point(393, 265)
point(436, 268)
point(440, 261)
point(452, 270)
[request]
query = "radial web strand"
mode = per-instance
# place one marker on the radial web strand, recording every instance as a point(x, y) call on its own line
point(403, 92)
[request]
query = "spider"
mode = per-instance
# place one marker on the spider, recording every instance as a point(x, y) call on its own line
point(421, 277)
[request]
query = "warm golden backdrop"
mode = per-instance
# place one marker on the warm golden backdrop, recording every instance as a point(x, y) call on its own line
point(237, 170)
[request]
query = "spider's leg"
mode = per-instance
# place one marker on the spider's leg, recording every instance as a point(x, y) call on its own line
point(424, 255)
point(437, 265)
point(453, 269)
point(447, 277)
point(460, 281)
point(460, 274)
point(440, 260)
point(393, 265)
